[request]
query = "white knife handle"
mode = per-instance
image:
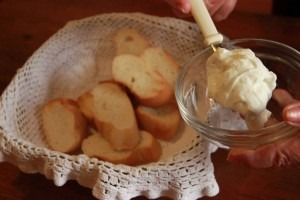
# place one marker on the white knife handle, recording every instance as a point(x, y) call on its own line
point(205, 23)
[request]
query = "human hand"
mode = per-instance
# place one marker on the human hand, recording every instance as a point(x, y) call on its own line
point(218, 9)
point(281, 154)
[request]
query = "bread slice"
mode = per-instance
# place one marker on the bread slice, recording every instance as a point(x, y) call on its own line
point(129, 41)
point(96, 146)
point(161, 122)
point(114, 116)
point(148, 150)
point(146, 84)
point(158, 59)
point(64, 125)
point(86, 104)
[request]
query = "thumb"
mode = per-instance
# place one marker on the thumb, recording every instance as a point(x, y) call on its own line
point(291, 114)
point(281, 154)
point(283, 97)
point(213, 5)
point(291, 107)
point(262, 158)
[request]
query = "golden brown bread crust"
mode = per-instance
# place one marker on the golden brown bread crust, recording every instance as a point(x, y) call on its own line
point(161, 61)
point(149, 150)
point(146, 84)
point(96, 146)
point(85, 103)
point(64, 125)
point(129, 41)
point(161, 122)
point(114, 116)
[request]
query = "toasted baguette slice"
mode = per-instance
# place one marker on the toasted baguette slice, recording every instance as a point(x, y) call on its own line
point(129, 41)
point(161, 122)
point(147, 85)
point(96, 146)
point(158, 59)
point(114, 116)
point(64, 125)
point(86, 105)
point(148, 150)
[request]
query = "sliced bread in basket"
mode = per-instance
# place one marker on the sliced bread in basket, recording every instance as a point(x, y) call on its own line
point(147, 85)
point(161, 122)
point(64, 125)
point(86, 105)
point(114, 115)
point(129, 41)
point(158, 59)
point(148, 150)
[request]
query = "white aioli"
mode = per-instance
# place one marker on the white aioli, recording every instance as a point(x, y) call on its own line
point(238, 80)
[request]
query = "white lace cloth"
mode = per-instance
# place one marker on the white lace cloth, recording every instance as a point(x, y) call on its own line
point(71, 62)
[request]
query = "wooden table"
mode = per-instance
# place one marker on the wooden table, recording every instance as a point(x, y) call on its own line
point(26, 24)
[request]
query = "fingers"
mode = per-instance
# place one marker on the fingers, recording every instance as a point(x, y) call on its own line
point(218, 9)
point(291, 114)
point(214, 5)
point(291, 111)
point(180, 14)
point(282, 154)
point(223, 12)
point(180, 7)
point(251, 158)
point(283, 97)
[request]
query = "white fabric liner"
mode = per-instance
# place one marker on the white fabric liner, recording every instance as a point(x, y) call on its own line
point(72, 61)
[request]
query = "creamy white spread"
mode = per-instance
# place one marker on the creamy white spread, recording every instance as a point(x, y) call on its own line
point(238, 80)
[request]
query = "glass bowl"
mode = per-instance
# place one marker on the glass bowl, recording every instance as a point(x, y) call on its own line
point(223, 126)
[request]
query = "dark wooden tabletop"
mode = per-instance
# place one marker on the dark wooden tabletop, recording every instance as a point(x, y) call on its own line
point(26, 24)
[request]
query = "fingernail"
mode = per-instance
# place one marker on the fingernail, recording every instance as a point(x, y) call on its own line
point(218, 17)
point(184, 8)
point(293, 114)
